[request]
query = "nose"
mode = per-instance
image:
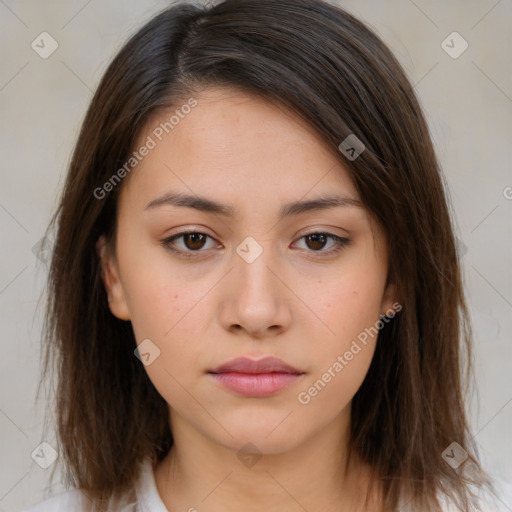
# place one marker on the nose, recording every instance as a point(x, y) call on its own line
point(255, 300)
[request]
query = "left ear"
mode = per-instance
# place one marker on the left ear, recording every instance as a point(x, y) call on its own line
point(388, 299)
point(110, 277)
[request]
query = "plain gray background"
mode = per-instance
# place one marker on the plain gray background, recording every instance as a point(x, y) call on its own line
point(468, 103)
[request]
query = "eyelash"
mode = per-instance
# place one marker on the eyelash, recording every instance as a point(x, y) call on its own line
point(167, 243)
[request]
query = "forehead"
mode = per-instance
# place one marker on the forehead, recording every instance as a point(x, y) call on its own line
point(232, 144)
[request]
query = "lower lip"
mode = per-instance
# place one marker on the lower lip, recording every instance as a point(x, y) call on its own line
point(255, 384)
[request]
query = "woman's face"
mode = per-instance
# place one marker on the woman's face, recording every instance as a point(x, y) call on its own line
point(254, 281)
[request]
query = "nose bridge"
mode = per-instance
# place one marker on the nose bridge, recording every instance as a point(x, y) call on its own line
point(256, 299)
point(255, 261)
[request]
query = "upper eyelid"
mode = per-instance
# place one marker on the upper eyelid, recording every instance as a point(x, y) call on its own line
point(197, 231)
point(203, 231)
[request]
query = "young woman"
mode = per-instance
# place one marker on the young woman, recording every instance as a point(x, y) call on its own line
point(255, 297)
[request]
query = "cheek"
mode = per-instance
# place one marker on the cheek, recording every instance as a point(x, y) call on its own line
point(171, 319)
point(349, 305)
point(348, 302)
point(158, 296)
point(153, 306)
point(167, 315)
point(331, 390)
point(341, 359)
point(167, 308)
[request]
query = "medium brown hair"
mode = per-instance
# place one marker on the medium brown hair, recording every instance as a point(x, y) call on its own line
point(335, 73)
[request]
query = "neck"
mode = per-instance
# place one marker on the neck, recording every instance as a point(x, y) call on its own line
point(199, 474)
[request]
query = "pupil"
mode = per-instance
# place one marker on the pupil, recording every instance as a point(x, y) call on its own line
point(315, 237)
point(196, 239)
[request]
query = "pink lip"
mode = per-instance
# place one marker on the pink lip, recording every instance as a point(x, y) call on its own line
point(263, 365)
point(253, 378)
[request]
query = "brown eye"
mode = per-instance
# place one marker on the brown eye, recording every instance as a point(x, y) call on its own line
point(194, 241)
point(318, 241)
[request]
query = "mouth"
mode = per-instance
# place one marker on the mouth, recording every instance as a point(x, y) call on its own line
point(256, 378)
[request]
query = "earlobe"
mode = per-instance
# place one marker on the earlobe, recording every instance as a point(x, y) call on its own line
point(390, 305)
point(110, 277)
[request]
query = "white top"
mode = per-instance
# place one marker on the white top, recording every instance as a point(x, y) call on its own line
point(149, 500)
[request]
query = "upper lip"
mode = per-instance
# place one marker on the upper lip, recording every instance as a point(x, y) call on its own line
point(247, 365)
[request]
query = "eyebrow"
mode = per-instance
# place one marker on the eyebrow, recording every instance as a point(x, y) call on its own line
point(294, 208)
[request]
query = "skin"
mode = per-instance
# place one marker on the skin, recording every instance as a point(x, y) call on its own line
point(293, 302)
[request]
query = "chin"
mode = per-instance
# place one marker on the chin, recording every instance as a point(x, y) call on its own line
point(269, 436)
